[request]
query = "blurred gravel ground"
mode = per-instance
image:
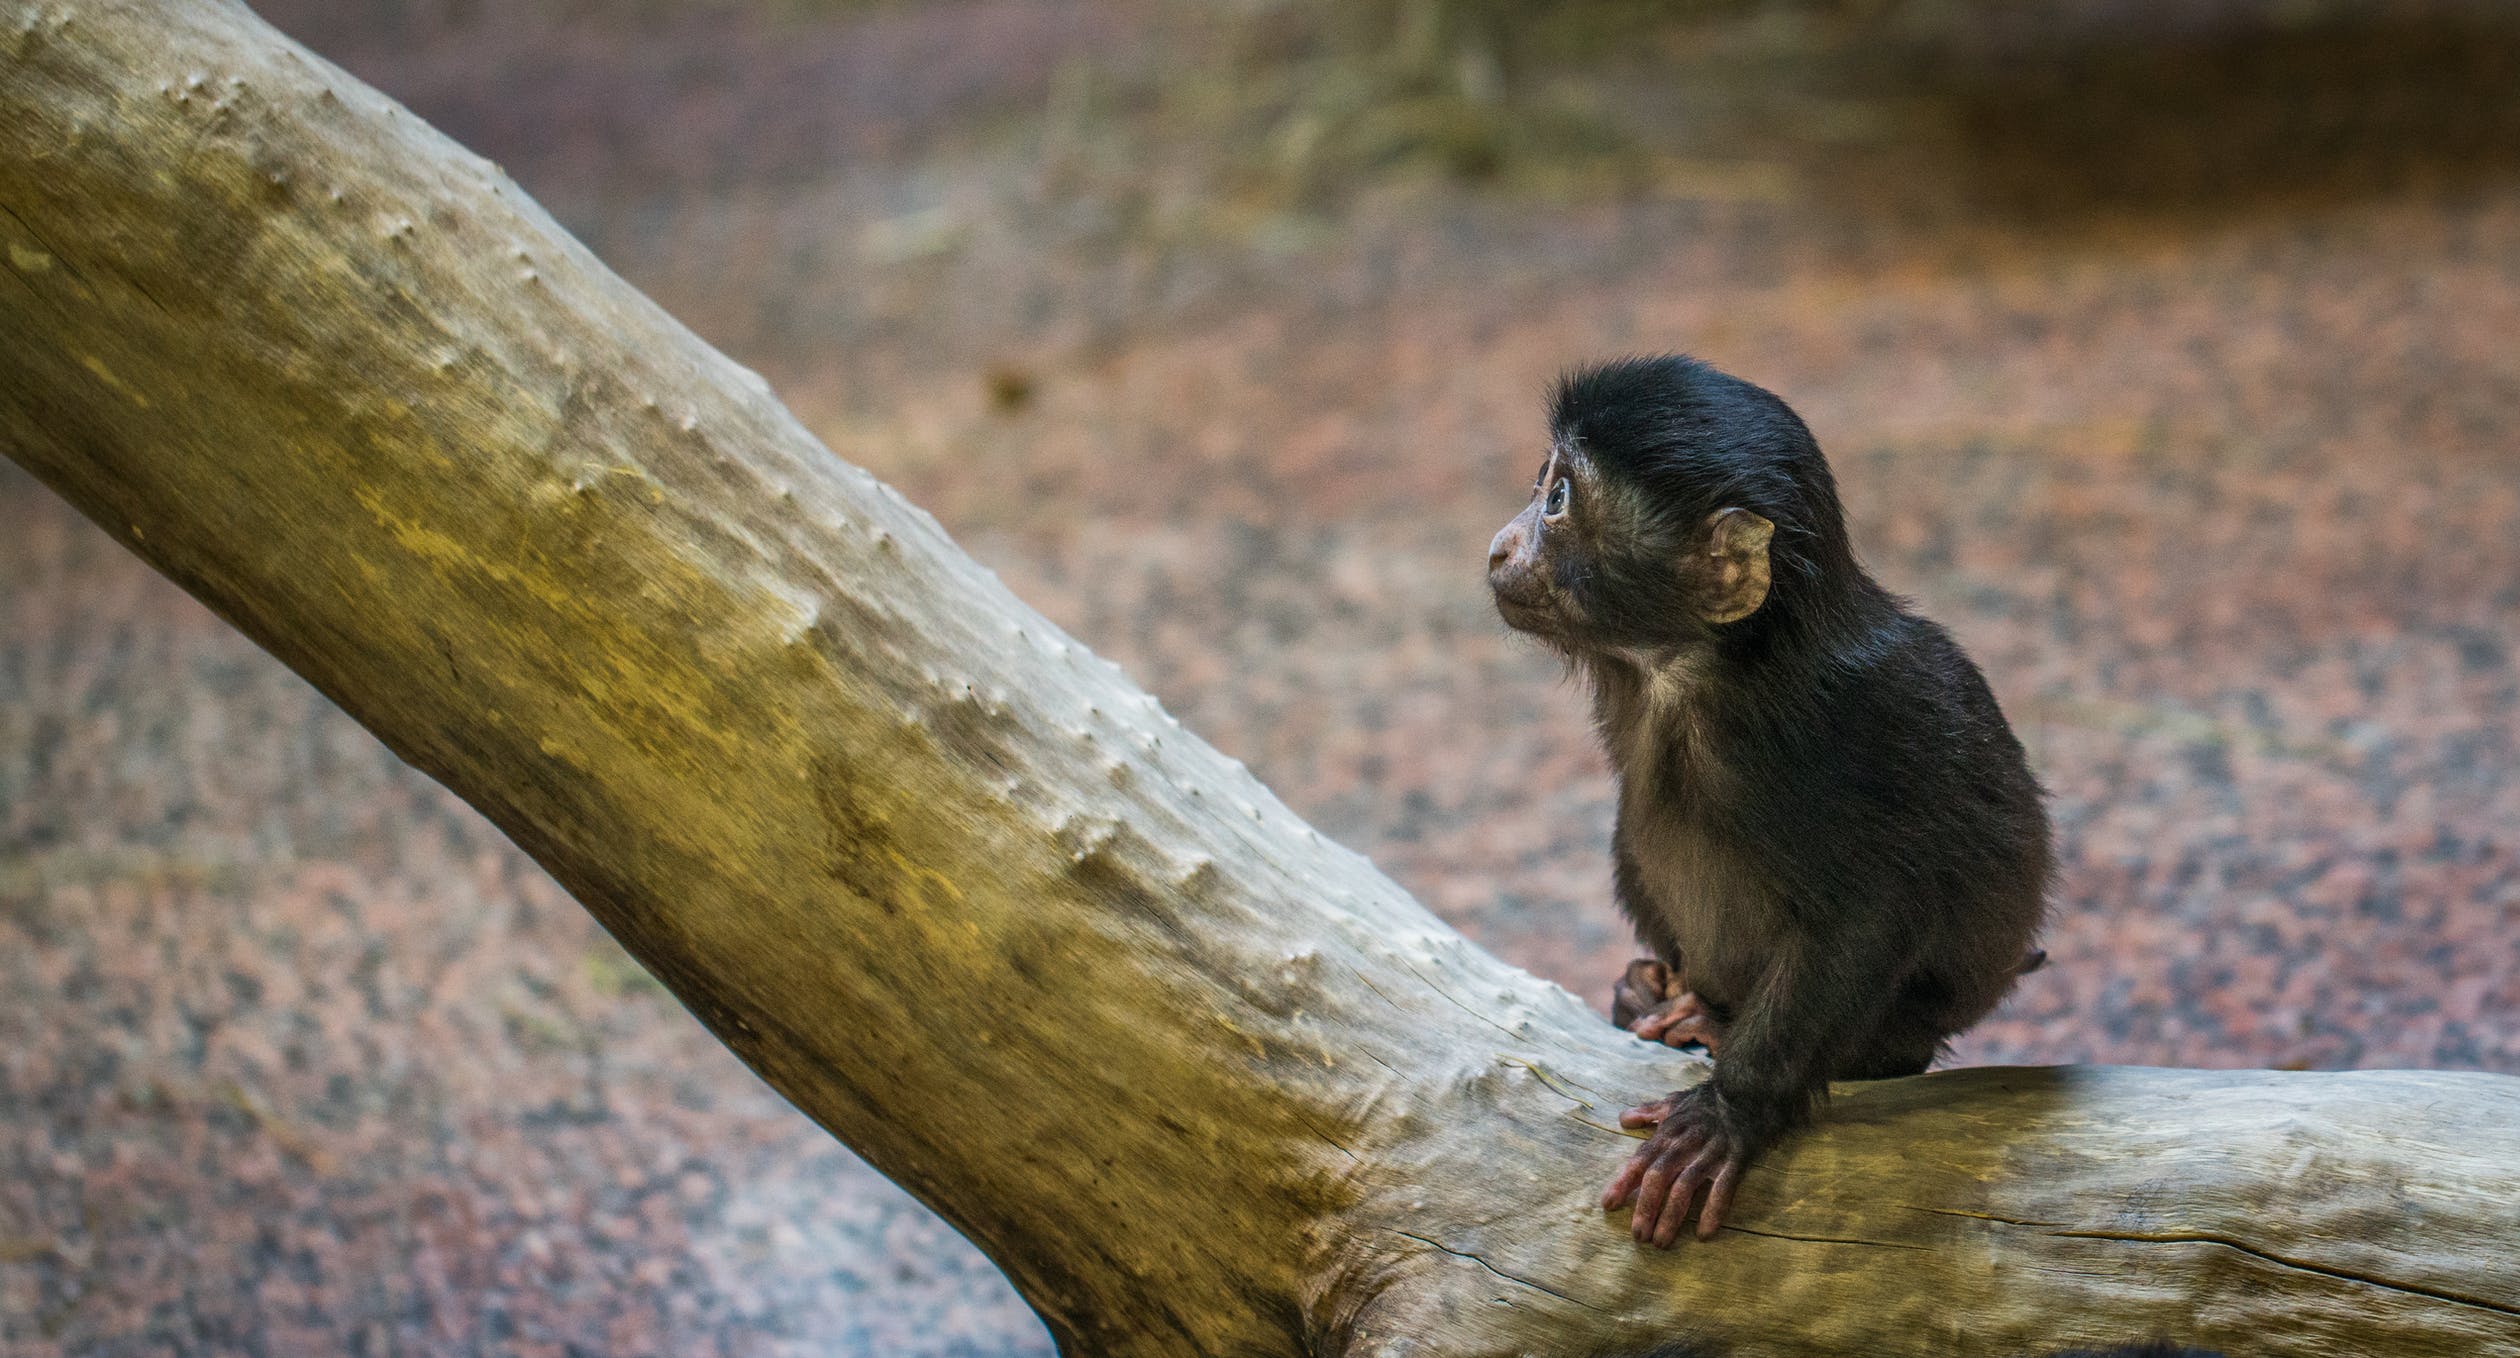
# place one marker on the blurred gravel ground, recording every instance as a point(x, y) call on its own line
point(2186, 397)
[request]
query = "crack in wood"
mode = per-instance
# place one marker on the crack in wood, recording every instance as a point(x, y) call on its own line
point(68, 265)
point(1465, 1254)
point(1457, 1004)
point(2322, 1270)
point(1552, 1081)
point(1378, 990)
point(1978, 1216)
point(2058, 1230)
point(1827, 1239)
point(71, 267)
point(1315, 1129)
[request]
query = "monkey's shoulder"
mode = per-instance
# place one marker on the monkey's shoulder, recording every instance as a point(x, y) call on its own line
point(1890, 760)
point(1870, 716)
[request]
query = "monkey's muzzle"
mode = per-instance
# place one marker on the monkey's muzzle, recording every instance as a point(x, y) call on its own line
point(1515, 578)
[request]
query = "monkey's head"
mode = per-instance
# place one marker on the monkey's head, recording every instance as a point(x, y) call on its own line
point(1676, 503)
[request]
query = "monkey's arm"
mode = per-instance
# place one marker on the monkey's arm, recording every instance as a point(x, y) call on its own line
point(1821, 991)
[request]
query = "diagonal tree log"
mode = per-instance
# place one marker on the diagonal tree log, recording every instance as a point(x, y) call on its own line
point(1235, 1092)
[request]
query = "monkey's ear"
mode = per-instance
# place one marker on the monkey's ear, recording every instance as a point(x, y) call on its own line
point(1736, 568)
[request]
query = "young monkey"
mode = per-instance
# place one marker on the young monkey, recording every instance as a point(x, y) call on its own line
point(1827, 835)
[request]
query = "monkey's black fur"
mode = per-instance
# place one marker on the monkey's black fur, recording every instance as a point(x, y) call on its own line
point(1685, 440)
point(1825, 825)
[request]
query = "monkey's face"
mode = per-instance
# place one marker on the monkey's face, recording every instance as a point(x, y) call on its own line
point(1536, 562)
point(1591, 566)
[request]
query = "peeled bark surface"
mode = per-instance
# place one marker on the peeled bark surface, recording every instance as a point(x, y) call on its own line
point(1202, 1081)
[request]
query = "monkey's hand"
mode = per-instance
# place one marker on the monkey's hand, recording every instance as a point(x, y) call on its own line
point(1697, 1143)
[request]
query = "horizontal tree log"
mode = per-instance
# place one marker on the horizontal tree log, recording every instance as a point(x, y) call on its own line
point(1202, 1081)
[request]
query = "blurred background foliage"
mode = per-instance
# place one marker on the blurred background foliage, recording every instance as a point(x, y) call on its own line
point(1160, 158)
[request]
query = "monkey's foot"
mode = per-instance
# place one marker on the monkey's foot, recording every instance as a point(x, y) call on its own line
point(1681, 1021)
point(1692, 1147)
point(1642, 989)
point(1655, 1003)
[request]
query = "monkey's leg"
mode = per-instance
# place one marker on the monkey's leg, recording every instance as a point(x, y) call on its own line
point(1902, 1045)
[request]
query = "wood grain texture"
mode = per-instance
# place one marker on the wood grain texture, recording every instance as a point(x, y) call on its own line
point(1202, 1081)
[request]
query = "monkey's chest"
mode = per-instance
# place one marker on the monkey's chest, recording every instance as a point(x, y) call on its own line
point(1700, 899)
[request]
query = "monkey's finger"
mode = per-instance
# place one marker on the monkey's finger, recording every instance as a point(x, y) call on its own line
point(1675, 1213)
point(1681, 1023)
point(1719, 1195)
point(1704, 1032)
point(1665, 1012)
point(1623, 1184)
point(1653, 1196)
point(1685, 1014)
point(1645, 1114)
point(1649, 1198)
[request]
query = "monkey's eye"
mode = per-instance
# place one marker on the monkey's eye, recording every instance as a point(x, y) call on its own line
point(1555, 506)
